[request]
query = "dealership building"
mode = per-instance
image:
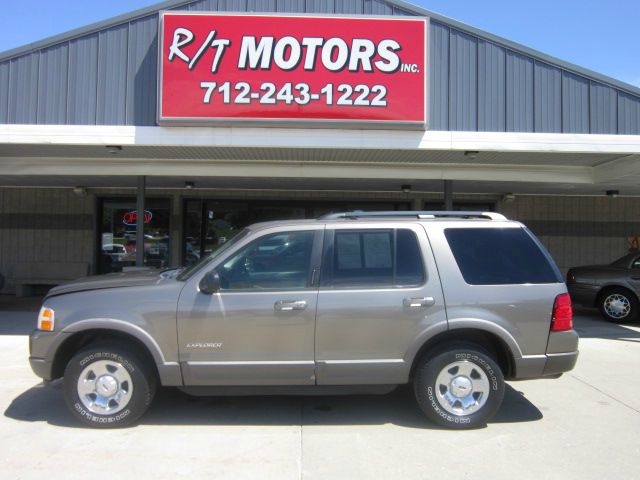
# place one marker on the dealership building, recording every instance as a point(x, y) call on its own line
point(205, 116)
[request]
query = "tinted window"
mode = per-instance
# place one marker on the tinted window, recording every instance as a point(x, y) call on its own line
point(409, 267)
point(276, 261)
point(498, 256)
point(376, 258)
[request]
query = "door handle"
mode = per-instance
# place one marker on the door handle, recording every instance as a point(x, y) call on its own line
point(414, 302)
point(288, 305)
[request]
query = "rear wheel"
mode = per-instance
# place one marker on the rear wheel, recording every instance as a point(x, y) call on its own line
point(459, 387)
point(618, 305)
point(108, 386)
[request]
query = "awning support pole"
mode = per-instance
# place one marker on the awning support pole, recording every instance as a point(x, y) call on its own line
point(448, 195)
point(140, 222)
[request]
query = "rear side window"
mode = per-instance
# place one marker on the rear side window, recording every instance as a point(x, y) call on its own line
point(378, 258)
point(499, 256)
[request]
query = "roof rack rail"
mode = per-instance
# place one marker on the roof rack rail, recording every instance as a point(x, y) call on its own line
point(413, 214)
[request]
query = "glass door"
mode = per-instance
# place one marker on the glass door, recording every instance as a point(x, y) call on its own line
point(117, 233)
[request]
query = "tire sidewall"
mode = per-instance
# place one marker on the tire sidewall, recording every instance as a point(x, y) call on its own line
point(633, 303)
point(425, 387)
point(141, 397)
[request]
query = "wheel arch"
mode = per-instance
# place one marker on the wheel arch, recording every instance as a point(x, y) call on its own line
point(81, 339)
point(86, 332)
point(490, 341)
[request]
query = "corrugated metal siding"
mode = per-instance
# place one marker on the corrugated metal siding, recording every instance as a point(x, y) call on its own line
point(202, 6)
point(261, 5)
point(52, 85)
point(439, 72)
point(519, 93)
point(474, 84)
point(547, 84)
point(319, 6)
point(232, 5)
point(349, 7)
point(377, 7)
point(142, 68)
point(83, 76)
point(4, 92)
point(463, 81)
point(402, 13)
point(575, 104)
point(628, 114)
point(291, 6)
point(23, 89)
point(491, 87)
point(603, 111)
point(112, 76)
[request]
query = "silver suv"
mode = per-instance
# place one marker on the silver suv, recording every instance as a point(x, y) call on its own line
point(452, 302)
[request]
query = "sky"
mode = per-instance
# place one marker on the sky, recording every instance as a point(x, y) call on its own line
point(601, 36)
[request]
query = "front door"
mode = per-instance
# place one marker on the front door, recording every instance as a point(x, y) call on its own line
point(259, 328)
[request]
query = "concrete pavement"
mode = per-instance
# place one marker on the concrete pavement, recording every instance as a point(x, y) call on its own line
point(584, 425)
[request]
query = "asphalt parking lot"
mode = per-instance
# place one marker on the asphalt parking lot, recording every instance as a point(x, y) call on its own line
point(584, 425)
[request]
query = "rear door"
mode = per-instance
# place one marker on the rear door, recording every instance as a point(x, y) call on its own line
point(379, 291)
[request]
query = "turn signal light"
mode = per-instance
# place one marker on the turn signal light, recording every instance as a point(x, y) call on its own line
point(562, 316)
point(46, 319)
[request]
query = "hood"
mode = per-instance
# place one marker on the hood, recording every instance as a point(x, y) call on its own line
point(112, 280)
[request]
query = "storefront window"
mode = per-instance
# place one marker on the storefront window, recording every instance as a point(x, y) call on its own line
point(117, 234)
point(209, 223)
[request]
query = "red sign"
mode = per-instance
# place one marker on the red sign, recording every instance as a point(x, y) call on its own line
point(228, 68)
point(131, 218)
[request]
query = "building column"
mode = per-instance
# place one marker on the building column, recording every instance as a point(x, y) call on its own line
point(448, 195)
point(140, 221)
point(175, 232)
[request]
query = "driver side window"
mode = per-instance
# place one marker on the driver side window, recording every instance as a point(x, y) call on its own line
point(278, 261)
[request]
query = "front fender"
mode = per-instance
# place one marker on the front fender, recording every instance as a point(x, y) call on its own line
point(168, 371)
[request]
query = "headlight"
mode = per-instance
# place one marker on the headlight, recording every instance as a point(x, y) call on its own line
point(46, 319)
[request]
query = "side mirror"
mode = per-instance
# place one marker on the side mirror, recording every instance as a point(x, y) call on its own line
point(210, 283)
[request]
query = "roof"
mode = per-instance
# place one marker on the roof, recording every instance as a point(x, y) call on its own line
point(400, 4)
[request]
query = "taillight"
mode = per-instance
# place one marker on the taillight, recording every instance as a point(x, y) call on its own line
point(562, 316)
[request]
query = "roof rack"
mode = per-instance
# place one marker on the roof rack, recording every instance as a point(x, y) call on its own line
point(412, 214)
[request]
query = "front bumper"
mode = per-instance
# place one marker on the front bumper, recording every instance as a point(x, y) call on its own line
point(41, 367)
point(42, 347)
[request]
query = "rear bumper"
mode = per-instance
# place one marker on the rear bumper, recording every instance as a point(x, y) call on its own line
point(559, 363)
point(561, 356)
point(583, 294)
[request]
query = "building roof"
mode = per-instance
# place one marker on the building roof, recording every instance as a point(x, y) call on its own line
point(398, 6)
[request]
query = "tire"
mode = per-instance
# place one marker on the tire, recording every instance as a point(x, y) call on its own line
point(478, 382)
point(126, 381)
point(618, 305)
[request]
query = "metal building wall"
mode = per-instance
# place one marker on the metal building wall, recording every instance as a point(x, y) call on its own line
point(108, 77)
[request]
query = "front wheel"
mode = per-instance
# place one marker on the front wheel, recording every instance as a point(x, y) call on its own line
point(460, 387)
point(108, 386)
point(618, 305)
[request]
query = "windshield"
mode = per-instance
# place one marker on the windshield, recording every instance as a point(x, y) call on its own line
point(186, 273)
